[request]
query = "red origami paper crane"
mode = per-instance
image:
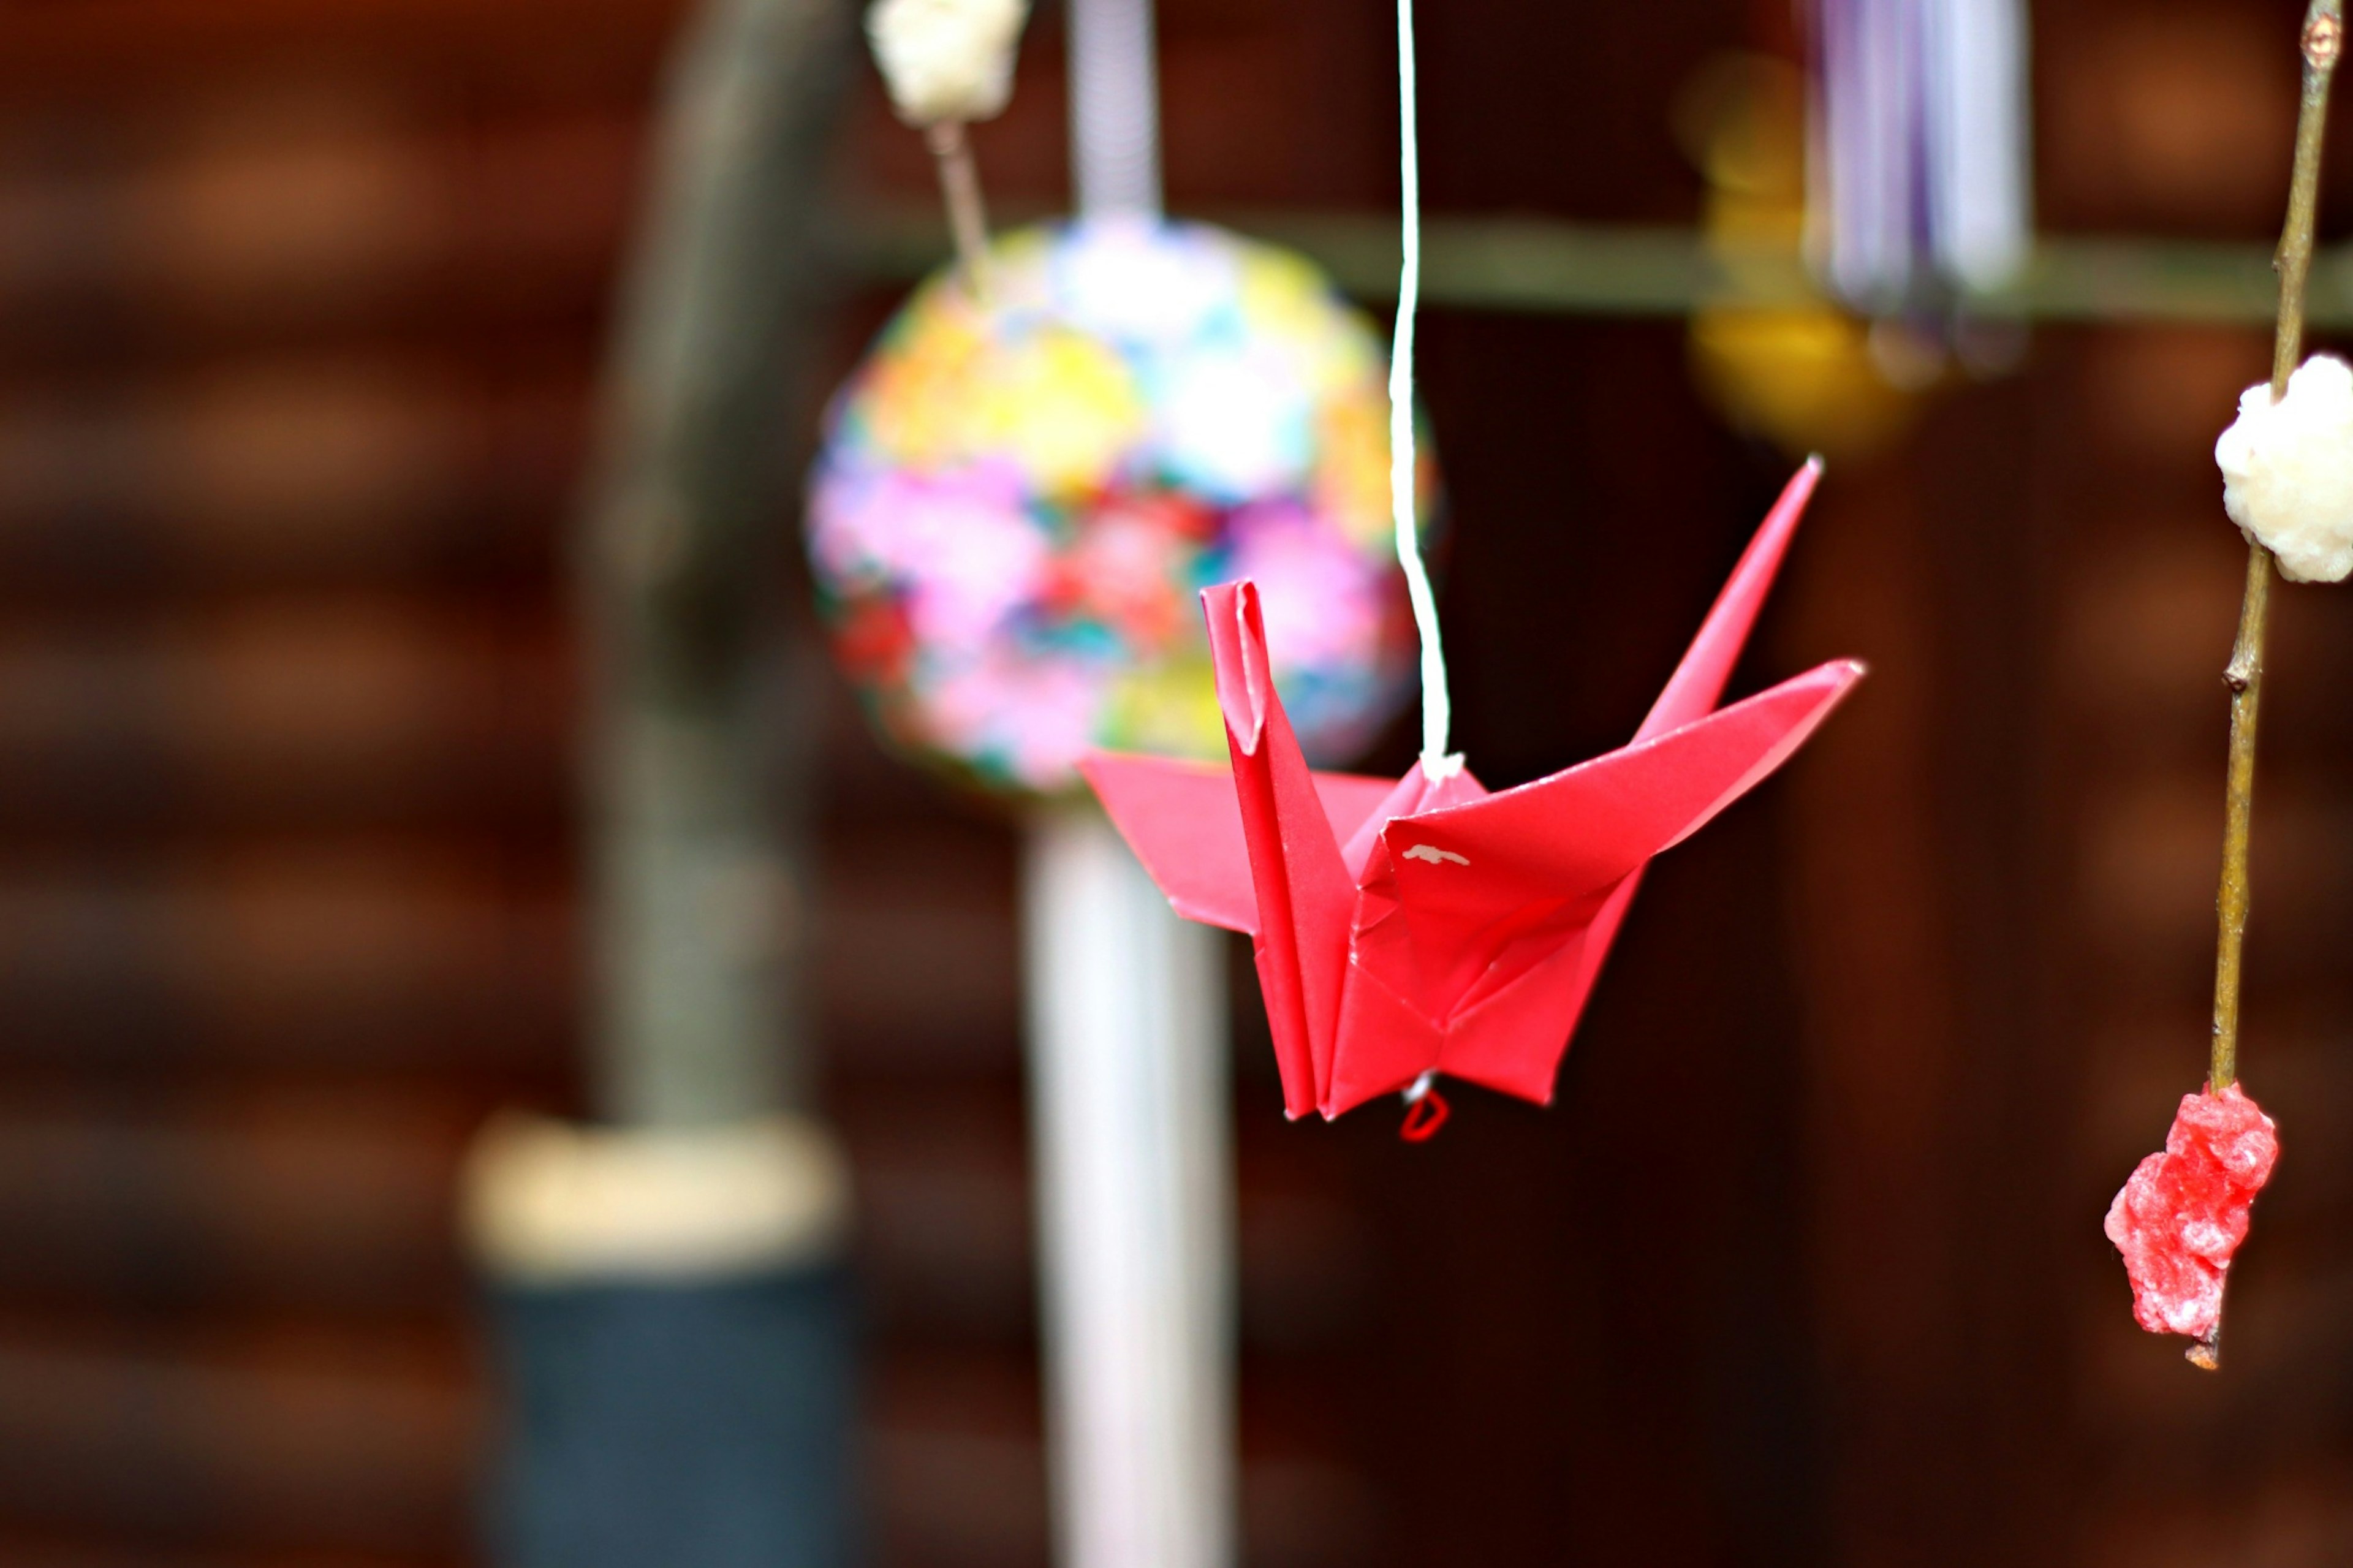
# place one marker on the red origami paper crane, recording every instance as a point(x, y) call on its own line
point(1428, 926)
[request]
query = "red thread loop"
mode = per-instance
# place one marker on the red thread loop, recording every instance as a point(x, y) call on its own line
point(1424, 1116)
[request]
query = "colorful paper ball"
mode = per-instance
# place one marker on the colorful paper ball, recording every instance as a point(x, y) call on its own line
point(1018, 503)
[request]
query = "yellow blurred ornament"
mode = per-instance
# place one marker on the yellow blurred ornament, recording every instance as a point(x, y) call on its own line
point(1806, 375)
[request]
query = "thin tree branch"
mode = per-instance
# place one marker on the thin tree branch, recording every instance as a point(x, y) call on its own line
point(2323, 41)
point(967, 216)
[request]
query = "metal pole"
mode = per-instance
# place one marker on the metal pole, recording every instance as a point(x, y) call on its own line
point(1128, 1034)
point(1128, 1050)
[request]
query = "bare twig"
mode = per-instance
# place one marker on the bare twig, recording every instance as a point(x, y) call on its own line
point(2323, 41)
point(960, 183)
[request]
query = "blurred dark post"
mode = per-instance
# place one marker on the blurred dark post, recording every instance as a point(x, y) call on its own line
point(669, 1286)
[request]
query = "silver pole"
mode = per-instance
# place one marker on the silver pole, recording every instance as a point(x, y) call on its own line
point(1128, 1042)
point(1114, 108)
point(1127, 1068)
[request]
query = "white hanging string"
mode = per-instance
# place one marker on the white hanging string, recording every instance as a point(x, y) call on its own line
point(1437, 717)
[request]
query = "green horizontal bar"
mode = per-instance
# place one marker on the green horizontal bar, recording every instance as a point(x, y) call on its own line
point(1542, 266)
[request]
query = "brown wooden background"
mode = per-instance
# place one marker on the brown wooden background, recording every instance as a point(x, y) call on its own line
point(299, 307)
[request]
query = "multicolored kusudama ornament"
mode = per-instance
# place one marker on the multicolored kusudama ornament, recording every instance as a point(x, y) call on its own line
point(1021, 499)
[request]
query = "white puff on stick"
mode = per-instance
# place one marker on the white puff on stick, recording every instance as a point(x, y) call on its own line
point(2287, 470)
point(947, 59)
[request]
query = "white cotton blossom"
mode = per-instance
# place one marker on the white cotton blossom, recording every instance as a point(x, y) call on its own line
point(947, 59)
point(2287, 470)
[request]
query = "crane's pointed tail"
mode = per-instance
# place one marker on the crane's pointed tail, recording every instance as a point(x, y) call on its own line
point(1698, 682)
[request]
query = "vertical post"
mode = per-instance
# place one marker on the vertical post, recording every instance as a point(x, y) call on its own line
point(1127, 1069)
point(1115, 109)
point(669, 1286)
point(694, 781)
point(1128, 1033)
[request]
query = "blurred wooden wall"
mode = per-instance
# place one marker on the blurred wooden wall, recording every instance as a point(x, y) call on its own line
point(2007, 894)
point(299, 307)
